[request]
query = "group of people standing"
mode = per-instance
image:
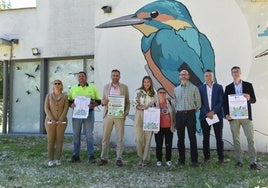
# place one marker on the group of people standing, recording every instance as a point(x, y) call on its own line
point(179, 113)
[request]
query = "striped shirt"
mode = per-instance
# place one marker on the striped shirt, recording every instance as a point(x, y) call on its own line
point(187, 97)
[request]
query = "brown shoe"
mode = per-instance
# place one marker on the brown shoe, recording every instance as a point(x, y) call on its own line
point(119, 162)
point(254, 166)
point(145, 163)
point(102, 162)
point(239, 165)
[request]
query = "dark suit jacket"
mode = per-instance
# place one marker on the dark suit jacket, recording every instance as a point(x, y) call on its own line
point(216, 101)
point(247, 89)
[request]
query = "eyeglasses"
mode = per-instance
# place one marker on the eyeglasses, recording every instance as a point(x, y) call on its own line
point(57, 83)
point(162, 92)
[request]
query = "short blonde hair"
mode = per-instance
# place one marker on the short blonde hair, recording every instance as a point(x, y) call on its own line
point(59, 82)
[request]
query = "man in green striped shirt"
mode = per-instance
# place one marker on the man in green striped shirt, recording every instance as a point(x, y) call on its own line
point(187, 101)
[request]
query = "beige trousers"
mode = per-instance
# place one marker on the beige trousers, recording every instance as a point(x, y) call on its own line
point(247, 126)
point(55, 136)
point(143, 138)
point(119, 124)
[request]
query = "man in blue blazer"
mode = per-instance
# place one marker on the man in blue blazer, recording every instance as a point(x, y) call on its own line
point(241, 87)
point(212, 100)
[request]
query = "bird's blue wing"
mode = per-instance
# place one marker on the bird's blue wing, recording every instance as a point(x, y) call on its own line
point(207, 55)
point(170, 51)
point(191, 36)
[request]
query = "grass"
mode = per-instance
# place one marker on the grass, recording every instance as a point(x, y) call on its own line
point(23, 162)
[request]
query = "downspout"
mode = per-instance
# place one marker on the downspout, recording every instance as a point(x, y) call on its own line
point(5, 96)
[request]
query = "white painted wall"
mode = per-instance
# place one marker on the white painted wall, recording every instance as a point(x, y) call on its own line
point(57, 28)
point(228, 28)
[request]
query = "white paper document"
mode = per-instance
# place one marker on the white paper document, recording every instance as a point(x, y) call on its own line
point(212, 121)
point(116, 106)
point(151, 119)
point(81, 108)
point(238, 107)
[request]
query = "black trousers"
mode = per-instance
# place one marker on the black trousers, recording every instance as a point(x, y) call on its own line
point(206, 136)
point(159, 139)
point(186, 120)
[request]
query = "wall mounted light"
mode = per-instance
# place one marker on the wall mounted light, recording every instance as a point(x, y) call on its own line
point(107, 9)
point(15, 41)
point(35, 51)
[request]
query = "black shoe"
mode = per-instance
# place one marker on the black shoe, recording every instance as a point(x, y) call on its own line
point(102, 162)
point(75, 159)
point(206, 161)
point(254, 166)
point(220, 162)
point(180, 163)
point(239, 165)
point(194, 164)
point(91, 159)
point(119, 162)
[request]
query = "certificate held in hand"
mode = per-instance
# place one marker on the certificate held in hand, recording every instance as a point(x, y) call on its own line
point(238, 107)
point(151, 119)
point(116, 106)
point(81, 108)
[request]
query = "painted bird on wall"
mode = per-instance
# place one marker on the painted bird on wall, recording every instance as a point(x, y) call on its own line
point(171, 42)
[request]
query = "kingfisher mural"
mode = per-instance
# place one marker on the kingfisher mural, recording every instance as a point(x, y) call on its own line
point(171, 42)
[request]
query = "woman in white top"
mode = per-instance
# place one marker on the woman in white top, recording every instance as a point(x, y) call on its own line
point(145, 97)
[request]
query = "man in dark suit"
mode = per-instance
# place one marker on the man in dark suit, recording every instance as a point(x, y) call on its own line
point(245, 88)
point(212, 100)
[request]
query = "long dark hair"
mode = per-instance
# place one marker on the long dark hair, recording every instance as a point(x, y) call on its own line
point(151, 89)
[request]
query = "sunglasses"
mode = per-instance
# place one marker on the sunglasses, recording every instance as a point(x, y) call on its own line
point(57, 83)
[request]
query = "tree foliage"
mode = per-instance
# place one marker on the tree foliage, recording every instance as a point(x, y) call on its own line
point(4, 4)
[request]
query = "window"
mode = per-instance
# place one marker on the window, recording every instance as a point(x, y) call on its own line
point(16, 4)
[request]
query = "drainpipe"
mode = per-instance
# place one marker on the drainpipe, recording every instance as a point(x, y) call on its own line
point(5, 96)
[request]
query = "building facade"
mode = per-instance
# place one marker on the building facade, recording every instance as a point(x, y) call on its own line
point(67, 41)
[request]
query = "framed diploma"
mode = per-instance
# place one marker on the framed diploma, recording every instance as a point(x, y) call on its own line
point(238, 107)
point(151, 119)
point(116, 106)
point(81, 108)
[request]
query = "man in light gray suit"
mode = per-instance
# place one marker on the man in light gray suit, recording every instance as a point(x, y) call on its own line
point(114, 89)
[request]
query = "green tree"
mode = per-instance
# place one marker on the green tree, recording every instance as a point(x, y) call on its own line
point(4, 4)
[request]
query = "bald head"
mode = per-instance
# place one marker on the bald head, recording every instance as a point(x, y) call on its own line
point(184, 76)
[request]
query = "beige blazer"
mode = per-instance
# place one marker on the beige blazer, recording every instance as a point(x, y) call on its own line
point(56, 109)
point(123, 92)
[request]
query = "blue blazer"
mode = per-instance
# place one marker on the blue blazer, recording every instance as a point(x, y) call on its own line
point(216, 103)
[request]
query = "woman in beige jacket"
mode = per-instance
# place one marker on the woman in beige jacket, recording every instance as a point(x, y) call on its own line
point(56, 108)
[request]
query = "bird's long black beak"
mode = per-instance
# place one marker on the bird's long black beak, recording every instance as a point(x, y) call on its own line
point(122, 21)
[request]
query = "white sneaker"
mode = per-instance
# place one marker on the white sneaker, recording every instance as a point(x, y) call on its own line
point(168, 163)
point(50, 163)
point(158, 163)
point(58, 163)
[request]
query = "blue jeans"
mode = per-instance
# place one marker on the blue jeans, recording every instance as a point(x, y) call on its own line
point(88, 128)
